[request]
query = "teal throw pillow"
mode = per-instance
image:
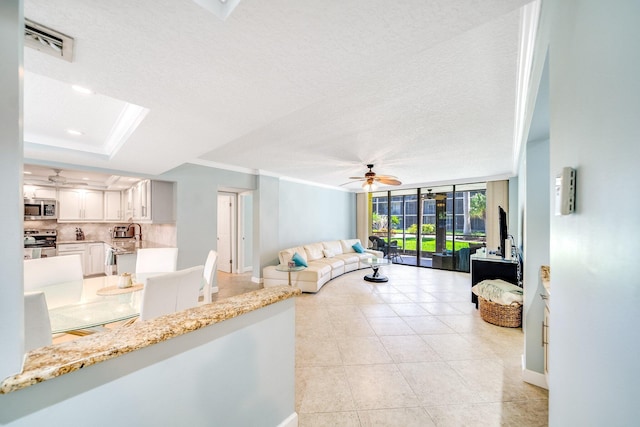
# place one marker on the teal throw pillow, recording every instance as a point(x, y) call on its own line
point(358, 248)
point(297, 258)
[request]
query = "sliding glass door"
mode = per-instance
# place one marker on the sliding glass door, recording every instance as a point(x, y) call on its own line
point(437, 227)
point(436, 230)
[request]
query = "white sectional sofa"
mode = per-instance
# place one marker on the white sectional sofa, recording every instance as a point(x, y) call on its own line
point(325, 260)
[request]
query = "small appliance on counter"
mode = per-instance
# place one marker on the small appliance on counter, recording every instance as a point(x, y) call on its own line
point(123, 232)
point(42, 240)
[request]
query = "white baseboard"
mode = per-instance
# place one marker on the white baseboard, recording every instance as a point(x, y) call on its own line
point(291, 421)
point(534, 378)
point(255, 279)
point(247, 269)
point(214, 290)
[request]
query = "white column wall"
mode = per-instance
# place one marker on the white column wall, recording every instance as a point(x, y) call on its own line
point(11, 214)
point(594, 64)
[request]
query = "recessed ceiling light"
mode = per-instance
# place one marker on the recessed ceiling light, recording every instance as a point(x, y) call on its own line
point(27, 173)
point(74, 132)
point(85, 178)
point(81, 89)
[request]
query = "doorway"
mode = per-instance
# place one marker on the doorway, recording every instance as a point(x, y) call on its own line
point(226, 231)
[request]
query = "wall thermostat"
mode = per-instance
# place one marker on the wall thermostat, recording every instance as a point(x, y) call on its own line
point(566, 191)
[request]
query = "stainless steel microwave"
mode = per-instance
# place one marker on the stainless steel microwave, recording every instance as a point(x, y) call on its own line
point(40, 209)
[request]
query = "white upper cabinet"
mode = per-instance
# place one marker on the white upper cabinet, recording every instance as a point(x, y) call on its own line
point(151, 202)
point(113, 206)
point(80, 205)
point(36, 192)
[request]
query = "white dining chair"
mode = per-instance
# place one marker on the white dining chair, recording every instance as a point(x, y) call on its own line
point(209, 273)
point(156, 260)
point(37, 325)
point(171, 292)
point(44, 273)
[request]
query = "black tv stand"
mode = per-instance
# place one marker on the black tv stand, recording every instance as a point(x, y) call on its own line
point(492, 267)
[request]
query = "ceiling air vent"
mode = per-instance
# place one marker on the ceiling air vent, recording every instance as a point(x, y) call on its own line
point(47, 40)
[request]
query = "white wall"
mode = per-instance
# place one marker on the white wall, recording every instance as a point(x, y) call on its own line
point(535, 249)
point(312, 214)
point(239, 372)
point(246, 201)
point(285, 213)
point(11, 214)
point(595, 288)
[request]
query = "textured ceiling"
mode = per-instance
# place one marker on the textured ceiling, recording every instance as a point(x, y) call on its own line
point(310, 89)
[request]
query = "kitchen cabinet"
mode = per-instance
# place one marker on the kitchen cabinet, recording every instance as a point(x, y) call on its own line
point(94, 262)
point(141, 200)
point(138, 201)
point(64, 249)
point(92, 255)
point(126, 263)
point(545, 340)
point(113, 206)
point(37, 192)
point(80, 205)
point(151, 202)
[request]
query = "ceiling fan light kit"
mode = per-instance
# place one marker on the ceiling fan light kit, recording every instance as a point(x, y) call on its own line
point(371, 179)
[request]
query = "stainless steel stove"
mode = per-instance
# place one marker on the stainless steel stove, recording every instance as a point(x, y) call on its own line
point(45, 240)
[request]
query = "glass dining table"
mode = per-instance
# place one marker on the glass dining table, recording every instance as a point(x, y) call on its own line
point(92, 302)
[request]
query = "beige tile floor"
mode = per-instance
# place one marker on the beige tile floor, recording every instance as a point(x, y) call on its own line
point(409, 352)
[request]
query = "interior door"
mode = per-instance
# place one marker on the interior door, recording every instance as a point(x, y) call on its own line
point(225, 232)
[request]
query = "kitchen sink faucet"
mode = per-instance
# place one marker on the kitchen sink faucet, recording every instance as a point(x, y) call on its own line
point(138, 235)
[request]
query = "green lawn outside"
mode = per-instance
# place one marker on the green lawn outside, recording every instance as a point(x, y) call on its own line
point(429, 244)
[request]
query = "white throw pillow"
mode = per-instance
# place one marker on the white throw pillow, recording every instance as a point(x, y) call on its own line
point(328, 254)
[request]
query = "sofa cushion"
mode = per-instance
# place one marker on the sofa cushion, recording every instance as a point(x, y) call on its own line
point(286, 254)
point(351, 258)
point(314, 251)
point(334, 246)
point(313, 273)
point(337, 265)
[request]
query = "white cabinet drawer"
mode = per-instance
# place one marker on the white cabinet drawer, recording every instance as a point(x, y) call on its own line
point(71, 247)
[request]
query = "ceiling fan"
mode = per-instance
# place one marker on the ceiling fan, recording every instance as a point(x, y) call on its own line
point(436, 196)
point(371, 179)
point(58, 179)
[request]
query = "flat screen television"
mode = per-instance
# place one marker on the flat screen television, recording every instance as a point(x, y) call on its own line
point(503, 230)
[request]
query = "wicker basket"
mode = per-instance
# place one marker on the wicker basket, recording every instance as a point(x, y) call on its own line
point(509, 316)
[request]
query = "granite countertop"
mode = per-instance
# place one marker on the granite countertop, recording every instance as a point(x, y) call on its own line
point(545, 276)
point(55, 360)
point(129, 246)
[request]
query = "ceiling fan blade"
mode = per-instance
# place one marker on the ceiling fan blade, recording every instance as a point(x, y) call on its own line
point(359, 178)
point(387, 180)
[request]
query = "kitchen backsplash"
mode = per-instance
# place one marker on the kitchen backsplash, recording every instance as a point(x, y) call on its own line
point(158, 233)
